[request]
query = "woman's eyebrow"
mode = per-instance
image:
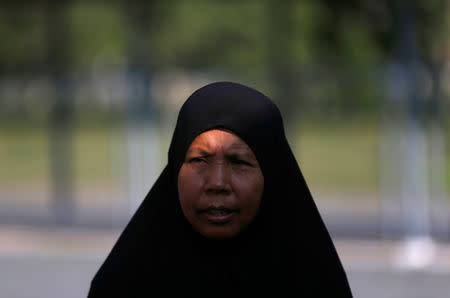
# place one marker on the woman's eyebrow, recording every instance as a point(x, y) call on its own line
point(241, 154)
point(199, 151)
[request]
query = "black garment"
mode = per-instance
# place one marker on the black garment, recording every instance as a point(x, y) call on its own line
point(285, 252)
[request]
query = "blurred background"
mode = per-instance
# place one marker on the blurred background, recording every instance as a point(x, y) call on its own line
point(90, 91)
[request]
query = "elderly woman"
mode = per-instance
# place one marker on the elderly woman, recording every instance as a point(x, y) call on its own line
point(230, 215)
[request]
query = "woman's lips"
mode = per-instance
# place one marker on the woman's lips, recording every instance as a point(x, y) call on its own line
point(218, 215)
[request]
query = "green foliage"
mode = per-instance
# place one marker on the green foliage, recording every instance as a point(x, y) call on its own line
point(22, 38)
point(252, 40)
point(307, 17)
point(211, 34)
point(98, 34)
point(204, 34)
point(356, 43)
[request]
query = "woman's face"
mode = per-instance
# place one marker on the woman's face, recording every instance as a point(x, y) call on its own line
point(220, 184)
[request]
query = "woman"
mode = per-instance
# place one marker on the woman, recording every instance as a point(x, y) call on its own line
point(230, 215)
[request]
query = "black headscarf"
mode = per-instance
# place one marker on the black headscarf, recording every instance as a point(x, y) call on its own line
point(285, 251)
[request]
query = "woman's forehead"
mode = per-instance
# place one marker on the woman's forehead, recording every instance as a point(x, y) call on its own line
point(219, 139)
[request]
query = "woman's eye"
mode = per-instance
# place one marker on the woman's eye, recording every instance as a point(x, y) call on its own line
point(241, 162)
point(197, 159)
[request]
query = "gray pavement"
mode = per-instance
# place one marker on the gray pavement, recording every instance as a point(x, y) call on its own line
point(37, 276)
point(55, 262)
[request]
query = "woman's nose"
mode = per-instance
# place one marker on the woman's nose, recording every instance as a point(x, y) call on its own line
point(218, 180)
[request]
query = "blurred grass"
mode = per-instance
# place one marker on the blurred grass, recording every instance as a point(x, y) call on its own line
point(338, 155)
point(335, 156)
point(24, 152)
point(331, 155)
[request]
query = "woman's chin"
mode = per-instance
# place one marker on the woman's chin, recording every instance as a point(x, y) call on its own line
point(218, 233)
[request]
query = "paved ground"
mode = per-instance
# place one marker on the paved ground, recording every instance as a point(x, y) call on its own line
point(61, 262)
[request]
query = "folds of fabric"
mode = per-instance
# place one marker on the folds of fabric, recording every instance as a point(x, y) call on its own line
point(285, 252)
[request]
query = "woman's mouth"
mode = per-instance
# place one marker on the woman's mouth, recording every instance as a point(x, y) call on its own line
point(219, 215)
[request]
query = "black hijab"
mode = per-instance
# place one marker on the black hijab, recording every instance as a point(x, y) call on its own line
point(285, 251)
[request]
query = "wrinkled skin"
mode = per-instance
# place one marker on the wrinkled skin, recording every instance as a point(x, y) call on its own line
point(220, 184)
